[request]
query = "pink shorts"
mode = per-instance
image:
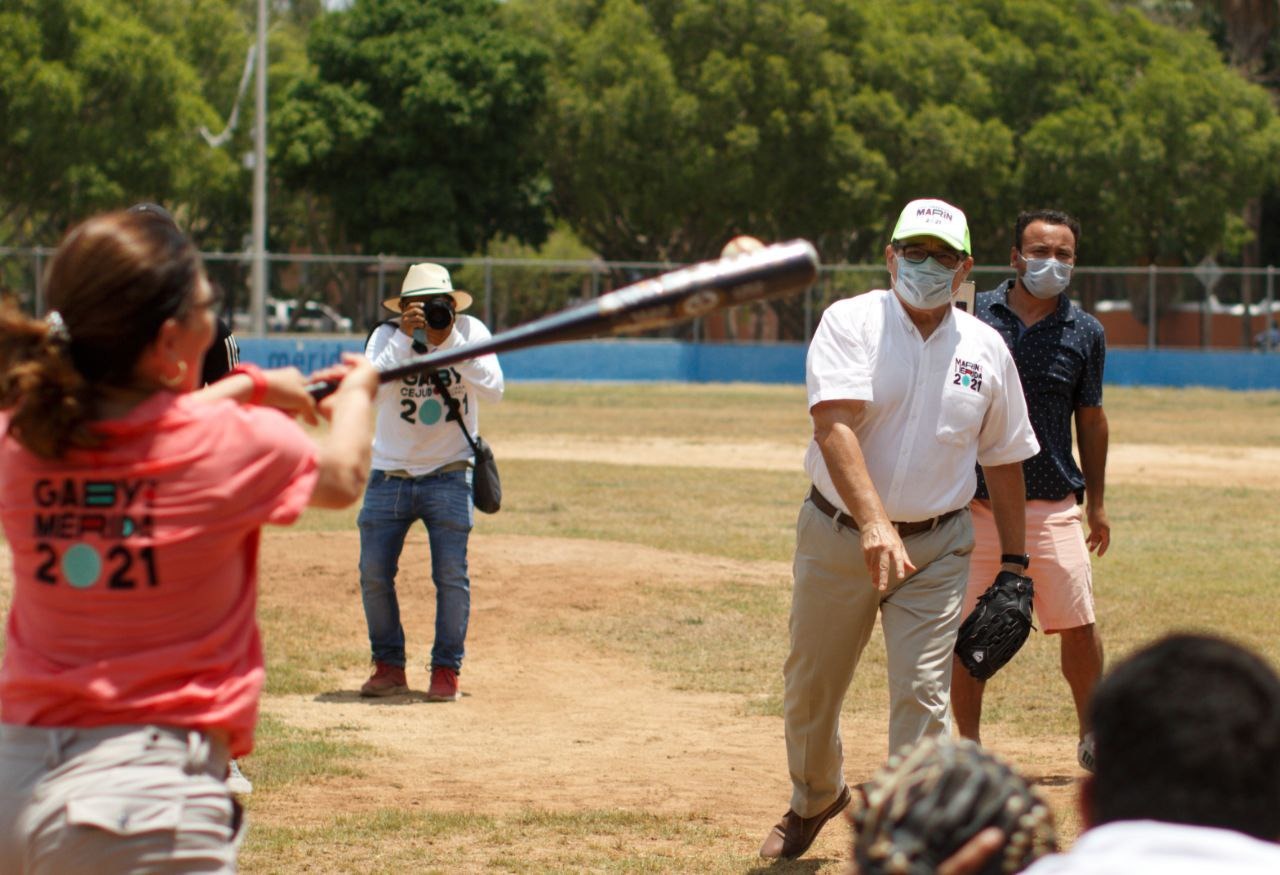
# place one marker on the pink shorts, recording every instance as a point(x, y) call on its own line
point(1059, 562)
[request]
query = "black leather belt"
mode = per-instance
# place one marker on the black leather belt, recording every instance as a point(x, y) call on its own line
point(904, 529)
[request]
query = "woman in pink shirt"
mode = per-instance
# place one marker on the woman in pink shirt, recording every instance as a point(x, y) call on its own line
point(132, 505)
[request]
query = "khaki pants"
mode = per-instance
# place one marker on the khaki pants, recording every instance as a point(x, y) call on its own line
point(833, 610)
point(114, 799)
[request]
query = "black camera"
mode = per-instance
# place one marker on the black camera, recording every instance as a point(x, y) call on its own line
point(439, 312)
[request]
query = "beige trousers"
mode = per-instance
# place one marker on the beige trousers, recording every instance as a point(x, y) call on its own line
point(115, 799)
point(833, 611)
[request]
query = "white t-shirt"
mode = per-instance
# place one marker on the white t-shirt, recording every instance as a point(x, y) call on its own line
point(1134, 847)
point(934, 407)
point(413, 432)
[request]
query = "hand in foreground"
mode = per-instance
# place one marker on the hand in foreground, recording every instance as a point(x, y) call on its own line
point(287, 391)
point(356, 374)
point(885, 554)
point(968, 859)
point(973, 854)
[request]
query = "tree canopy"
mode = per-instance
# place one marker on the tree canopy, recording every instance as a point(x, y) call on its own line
point(100, 106)
point(650, 129)
point(675, 123)
point(416, 126)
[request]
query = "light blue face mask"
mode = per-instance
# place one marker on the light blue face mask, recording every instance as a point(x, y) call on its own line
point(925, 285)
point(1046, 277)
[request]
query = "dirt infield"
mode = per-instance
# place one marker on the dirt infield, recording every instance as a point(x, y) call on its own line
point(1174, 465)
point(549, 724)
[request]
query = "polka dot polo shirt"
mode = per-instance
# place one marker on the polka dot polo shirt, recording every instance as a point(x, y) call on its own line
point(1060, 361)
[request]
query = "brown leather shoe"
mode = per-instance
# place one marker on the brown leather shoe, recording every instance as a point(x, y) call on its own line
point(386, 680)
point(794, 834)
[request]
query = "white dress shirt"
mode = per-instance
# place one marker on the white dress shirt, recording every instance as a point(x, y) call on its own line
point(934, 406)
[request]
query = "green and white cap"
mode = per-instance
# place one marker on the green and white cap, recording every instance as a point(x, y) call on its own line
point(929, 217)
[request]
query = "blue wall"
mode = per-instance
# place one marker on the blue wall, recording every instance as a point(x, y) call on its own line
point(1223, 370)
point(648, 360)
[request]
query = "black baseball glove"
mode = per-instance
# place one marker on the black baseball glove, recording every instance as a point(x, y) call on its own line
point(998, 626)
point(925, 803)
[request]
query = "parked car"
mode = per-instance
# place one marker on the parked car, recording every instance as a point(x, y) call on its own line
point(316, 316)
point(288, 314)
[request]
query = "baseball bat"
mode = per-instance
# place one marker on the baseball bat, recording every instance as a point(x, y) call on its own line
point(666, 299)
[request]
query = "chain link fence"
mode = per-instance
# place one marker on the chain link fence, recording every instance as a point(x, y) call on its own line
point(1141, 307)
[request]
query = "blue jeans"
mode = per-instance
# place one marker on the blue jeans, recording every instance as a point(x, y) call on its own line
point(391, 506)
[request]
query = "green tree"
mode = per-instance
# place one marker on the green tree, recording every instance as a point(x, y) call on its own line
point(97, 109)
point(416, 127)
point(675, 123)
point(1139, 129)
point(519, 293)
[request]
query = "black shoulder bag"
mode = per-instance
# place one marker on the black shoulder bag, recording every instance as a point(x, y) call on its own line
point(486, 489)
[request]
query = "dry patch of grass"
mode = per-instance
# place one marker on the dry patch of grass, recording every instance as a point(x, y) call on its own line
point(1183, 557)
point(1193, 416)
point(709, 412)
point(395, 840)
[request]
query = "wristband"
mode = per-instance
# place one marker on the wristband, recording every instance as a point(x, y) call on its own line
point(1015, 559)
point(254, 373)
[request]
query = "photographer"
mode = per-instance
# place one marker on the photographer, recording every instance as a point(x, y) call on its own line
point(422, 471)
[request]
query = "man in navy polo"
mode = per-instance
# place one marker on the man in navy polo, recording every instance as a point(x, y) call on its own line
point(1060, 351)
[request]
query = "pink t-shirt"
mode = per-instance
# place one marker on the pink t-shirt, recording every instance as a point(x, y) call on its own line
point(135, 566)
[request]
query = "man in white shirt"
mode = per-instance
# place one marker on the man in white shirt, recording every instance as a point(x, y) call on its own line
point(422, 471)
point(906, 393)
point(1188, 766)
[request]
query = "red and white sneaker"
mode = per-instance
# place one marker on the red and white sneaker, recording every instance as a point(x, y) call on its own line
point(444, 685)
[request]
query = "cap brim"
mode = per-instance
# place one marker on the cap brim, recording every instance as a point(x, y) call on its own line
point(460, 298)
point(949, 239)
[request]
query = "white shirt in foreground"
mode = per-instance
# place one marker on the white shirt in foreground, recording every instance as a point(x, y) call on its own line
point(934, 407)
point(1136, 847)
point(413, 432)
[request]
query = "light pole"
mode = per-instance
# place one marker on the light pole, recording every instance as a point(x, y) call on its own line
point(258, 273)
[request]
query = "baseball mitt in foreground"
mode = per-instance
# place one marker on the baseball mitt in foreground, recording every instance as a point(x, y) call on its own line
point(998, 626)
point(927, 802)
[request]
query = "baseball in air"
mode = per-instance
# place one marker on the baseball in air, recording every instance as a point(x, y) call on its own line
point(740, 245)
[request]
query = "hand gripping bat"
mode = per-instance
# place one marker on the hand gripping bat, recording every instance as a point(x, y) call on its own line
point(667, 299)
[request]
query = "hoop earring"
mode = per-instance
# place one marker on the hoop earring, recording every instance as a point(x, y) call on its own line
point(175, 382)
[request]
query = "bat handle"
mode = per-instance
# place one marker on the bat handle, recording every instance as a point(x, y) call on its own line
point(322, 389)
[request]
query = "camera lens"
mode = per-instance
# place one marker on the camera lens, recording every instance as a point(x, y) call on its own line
point(439, 314)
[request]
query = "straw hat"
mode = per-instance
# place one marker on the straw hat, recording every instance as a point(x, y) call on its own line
point(427, 280)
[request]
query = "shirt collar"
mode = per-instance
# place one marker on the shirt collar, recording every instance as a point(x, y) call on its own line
point(1063, 313)
point(904, 317)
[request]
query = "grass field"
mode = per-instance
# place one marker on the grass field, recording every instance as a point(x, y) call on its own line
point(1184, 556)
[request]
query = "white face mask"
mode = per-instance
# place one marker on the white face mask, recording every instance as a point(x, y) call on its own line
point(925, 285)
point(1046, 277)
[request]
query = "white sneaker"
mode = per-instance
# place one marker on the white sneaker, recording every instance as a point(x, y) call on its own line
point(237, 783)
point(1087, 752)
